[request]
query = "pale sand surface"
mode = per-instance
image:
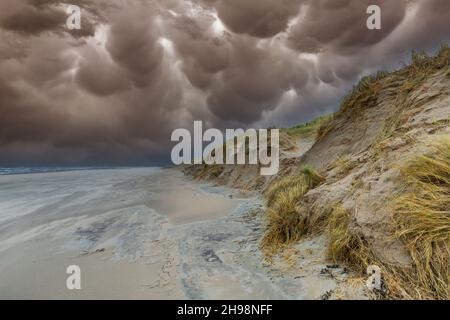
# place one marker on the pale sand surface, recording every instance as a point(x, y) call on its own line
point(105, 221)
point(139, 234)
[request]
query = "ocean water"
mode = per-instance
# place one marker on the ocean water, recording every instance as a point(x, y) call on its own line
point(23, 170)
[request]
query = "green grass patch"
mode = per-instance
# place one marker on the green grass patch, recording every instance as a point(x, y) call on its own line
point(310, 129)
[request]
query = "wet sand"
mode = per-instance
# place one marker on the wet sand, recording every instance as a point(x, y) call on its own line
point(140, 234)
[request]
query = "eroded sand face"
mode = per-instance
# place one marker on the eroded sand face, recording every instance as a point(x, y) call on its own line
point(138, 234)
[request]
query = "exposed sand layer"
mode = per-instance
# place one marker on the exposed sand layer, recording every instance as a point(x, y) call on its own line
point(141, 234)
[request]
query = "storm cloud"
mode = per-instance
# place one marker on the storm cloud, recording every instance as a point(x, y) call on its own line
point(112, 92)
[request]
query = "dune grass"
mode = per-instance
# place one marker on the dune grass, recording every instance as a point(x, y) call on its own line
point(286, 221)
point(365, 94)
point(345, 246)
point(411, 77)
point(309, 130)
point(421, 221)
point(422, 217)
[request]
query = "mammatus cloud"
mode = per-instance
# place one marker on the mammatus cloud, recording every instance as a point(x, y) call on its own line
point(112, 92)
point(340, 26)
point(258, 18)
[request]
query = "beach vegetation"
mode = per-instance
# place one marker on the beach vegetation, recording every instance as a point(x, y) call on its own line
point(286, 220)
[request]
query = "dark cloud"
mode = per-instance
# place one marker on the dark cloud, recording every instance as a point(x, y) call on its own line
point(340, 25)
point(259, 18)
point(34, 20)
point(113, 92)
point(133, 45)
point(427, 25)
point(201, 51)
point(254, 81)
point(99, 75)
point(33, 17)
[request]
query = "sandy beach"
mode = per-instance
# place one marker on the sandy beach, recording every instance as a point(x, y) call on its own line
point(105, 221)
point(138, 234)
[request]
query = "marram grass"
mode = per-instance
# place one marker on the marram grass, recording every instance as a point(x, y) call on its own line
point(344, 245)
point(347, 246)
point(421, 221)
point(286, 220)
point(422, 217)
point(366, 93)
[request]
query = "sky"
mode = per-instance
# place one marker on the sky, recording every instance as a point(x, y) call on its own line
point(112, 92)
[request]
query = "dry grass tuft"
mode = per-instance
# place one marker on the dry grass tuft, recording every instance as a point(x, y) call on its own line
point(422, 217)
point(298, 184)
point(286, 222)
point(350, 248)
point(344, 245)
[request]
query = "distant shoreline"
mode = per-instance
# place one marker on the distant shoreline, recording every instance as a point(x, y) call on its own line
point(32, 170)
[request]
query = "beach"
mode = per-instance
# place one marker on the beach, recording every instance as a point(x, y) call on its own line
point(142, 233)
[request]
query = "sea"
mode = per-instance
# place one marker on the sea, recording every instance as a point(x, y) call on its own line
point(25, 170)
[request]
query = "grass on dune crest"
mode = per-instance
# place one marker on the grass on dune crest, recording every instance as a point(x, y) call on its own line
point(422, 217)
point(287, 222)
point(309, 129)
point(365, 94)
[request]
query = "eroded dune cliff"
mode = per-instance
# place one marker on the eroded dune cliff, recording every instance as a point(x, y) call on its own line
point(375, 181)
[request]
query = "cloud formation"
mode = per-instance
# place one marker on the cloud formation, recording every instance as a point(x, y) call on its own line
point(112, 92)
